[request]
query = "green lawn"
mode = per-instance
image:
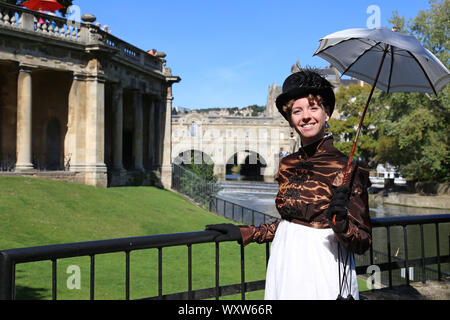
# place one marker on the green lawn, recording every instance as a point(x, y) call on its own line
point(36, 212)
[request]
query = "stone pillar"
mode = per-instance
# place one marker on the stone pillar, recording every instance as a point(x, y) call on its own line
point(151, 134)
point(166, 168)
point(73, 151)
point(24, 120)
point(117, 127)
point(138, 132)
point(95, 167)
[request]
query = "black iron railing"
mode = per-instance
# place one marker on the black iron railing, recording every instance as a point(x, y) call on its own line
point(9, 259)
point(204, 193)
point(238, 213)
point(395, 263)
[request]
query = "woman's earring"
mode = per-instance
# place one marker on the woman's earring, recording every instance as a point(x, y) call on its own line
point(327, 127)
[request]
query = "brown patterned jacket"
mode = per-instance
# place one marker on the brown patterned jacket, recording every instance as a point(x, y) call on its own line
point(306, 182)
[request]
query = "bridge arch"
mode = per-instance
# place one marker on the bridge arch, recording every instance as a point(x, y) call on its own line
point(246, 164)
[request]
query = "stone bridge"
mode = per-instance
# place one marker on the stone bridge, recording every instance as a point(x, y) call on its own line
point(253, 144)
point(77, 100)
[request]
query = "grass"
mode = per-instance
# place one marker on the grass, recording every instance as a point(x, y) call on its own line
point(36, 212)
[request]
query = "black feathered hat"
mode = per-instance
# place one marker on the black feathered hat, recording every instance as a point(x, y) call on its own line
point(302, 84)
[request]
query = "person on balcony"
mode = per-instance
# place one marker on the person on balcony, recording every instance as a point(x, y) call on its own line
point(323, 223)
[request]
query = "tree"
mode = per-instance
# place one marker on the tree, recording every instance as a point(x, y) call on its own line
point(350, 102)
point(414, 129)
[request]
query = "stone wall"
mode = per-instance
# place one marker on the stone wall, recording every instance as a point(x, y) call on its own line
point(429, 188)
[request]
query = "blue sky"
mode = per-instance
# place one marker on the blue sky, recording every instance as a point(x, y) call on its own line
point(228, 52)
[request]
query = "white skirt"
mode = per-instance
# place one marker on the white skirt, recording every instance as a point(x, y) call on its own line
point(303, 265)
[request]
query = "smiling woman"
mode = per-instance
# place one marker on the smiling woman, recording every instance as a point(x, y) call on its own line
point(309, 118)
point(321, 224)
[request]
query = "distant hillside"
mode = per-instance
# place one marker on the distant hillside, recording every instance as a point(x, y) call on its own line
point(250, 111)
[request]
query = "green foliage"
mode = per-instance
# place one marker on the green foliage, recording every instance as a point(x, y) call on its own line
point(416, 124)
point(350, 102)
point(198, 181)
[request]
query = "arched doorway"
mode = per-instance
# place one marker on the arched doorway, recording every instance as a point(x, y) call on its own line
point(53, 145)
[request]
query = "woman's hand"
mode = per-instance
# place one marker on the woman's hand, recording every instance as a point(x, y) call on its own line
point(338, 208)
point(229, 232)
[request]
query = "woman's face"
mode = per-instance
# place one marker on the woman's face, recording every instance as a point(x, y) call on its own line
point(308, 119)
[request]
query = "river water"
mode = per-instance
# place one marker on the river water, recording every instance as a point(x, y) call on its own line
point(264, 201)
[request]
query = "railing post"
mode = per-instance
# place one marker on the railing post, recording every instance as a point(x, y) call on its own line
point(217, 289)
point(389, 255)
point(160, 272)
point(92, 278)
point(189, 271)
point(422, 242)
point(438, 252)
point(26, 21)
point(54, 279)
point(242, 273)
point(405, 243)
point(6, 278)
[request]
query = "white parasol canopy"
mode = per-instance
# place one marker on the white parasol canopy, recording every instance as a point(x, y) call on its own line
point(407, 66)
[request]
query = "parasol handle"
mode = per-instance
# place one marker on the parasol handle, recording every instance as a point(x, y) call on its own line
point(346, 181)
point(347, 170)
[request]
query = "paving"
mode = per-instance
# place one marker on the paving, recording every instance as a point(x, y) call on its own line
point(431, 290)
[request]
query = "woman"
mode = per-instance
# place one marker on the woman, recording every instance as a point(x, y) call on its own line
point(322, 222)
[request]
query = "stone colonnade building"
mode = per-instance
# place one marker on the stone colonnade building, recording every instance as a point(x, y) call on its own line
point(78, 104)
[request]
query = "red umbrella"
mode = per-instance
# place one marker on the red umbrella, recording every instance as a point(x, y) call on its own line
point(44, 5)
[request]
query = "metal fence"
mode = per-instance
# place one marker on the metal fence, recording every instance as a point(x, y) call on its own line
point(238, 213)
point(188, 183)
point(9, 259)
point(205, 193)
point(388, 262)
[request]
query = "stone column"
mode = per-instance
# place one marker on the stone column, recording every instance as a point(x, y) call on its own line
point(138, 132)
point(151, 134)
point(118, 127)
point(73, 151)
point(166, 168)
point(95, 167)
point(24, 120)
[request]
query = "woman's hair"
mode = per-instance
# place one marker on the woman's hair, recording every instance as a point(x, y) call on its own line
point(312, 98)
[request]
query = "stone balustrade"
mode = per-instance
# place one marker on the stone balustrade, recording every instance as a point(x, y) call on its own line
point(22, 19)
point(19, 19)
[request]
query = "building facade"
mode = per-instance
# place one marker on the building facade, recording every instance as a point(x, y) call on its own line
point(78, 104)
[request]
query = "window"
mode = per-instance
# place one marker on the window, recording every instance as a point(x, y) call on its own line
point(193, 129)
